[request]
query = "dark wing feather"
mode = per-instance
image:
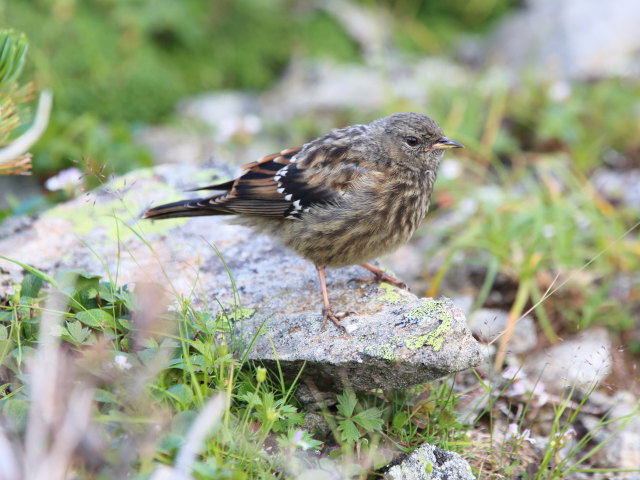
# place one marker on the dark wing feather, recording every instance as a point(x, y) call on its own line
point(278, 185)
point(323, 173)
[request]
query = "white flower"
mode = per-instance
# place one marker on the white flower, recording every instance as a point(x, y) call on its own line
point(548, 231)
point(122, 362)
point(64, 180)
point(559, 91)
point(513, 433)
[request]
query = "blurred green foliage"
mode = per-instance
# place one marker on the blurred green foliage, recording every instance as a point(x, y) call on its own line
point(500, 123)
point(116, 63)
point(532, 212)
point(434, 26)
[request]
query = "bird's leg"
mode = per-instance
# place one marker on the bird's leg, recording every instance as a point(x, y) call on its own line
point(382, 276)
point(327, 311)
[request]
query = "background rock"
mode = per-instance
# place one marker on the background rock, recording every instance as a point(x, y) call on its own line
point(571, 39)
point(431, 463)
point(488, 323)
point(582, 361)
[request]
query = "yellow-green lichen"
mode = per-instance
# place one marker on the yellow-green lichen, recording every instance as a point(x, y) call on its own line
point(386, 350)
point(118, 210)
point(432, 309)
point(390, 294)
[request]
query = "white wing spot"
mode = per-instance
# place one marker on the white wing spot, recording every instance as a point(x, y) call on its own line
point(280, 190)
point(288, 197)
point(296, 204)
point(283, 171)
point(277, 178)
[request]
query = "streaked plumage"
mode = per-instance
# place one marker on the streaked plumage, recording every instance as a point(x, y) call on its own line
point(342, 199)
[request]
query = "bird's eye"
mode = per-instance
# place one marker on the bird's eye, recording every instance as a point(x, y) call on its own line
point(411, 141)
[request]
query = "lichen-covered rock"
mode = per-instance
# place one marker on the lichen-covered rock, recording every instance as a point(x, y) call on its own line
point(431, 463)
point(394, 340)
point(389, 345)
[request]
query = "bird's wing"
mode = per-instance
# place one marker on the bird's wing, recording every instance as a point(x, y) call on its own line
point(285, 185)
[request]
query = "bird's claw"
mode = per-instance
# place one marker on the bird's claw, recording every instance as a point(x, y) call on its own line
point(387, 278)
point(384, 277)
point(328, 315)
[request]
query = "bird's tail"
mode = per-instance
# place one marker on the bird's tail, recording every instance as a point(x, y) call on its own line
point(184, 208)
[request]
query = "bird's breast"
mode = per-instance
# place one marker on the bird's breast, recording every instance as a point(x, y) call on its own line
point(361, 226)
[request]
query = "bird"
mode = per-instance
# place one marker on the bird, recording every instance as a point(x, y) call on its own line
point(342, 199)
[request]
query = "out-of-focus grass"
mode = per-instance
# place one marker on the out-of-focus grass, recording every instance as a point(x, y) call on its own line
point(114, 65)
point(523, 205)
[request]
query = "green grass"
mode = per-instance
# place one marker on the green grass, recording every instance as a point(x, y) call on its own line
point(526, 207)
point(115, 65)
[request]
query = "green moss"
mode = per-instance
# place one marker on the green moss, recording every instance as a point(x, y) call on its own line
point(431, 309)
point(391, 295)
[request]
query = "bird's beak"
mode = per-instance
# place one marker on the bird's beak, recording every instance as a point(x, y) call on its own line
point(444, 143)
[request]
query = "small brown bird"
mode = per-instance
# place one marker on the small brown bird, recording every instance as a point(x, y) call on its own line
point(342, 199)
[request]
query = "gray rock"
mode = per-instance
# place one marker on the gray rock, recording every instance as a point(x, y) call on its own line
point(321, 87)
point(431, 463)
point(619, 434)
point(618, 186)
point(550, 37)
point(582, 361)
point(391, 345)
point(488, 323)
point(173, 145)
point(395, 339)
point(230, 113)
point(17, 188)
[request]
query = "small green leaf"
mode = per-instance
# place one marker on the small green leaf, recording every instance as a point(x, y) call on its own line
point(31, 285)
point(349, 431)
point(347, 403)
point(125, 324)
point(105, 396)
point(15, 411)
point(181, 393)
point(106, 292)
point(95, 318)
point(77, 333)
point(126, 298)
point(399, 420)
point(369, 419)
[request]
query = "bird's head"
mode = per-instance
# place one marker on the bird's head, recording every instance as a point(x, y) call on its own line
point(413, 140)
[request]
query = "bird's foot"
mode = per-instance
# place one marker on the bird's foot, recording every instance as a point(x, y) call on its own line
point(387, 278)
point(382, 276)
point(328, 315)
